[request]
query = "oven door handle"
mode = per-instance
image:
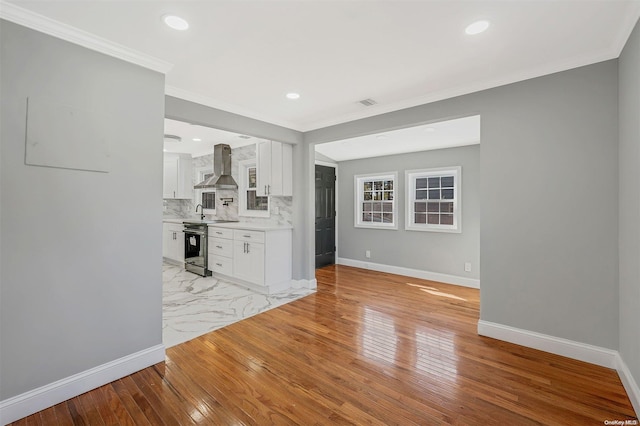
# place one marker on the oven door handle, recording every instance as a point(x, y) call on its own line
point(189, 232)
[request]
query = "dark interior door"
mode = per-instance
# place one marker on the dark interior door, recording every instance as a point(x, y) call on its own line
point(325, 216)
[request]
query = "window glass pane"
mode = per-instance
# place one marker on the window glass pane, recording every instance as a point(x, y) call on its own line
point(420, 218)
point(421, 183)
point(387, 207)
point(366, 217)
point(420, 207)
point(446, 207)
point(434, 194)
point(366, 207)
point(433, 207)
point(421, 194)
point(446, 181)
point(447, 194)
point(377, 195)
point(446, 219)
point(256, 203)
point(377, 217)
point(368, 186)
point(377, 185)
point(388, 185)
point(377, 207)
point(433, 219)
point(368, 196)
point(434, 182)
point(387, 217)
point(252, 177)
point(388, 195)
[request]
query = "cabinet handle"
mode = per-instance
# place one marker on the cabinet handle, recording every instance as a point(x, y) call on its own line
point(247, 248)
point(268, 189)
point(265, 189)
point(219, 247)
point(218, 232)
point(174, 194)
point(247, 236)
point(219, 264)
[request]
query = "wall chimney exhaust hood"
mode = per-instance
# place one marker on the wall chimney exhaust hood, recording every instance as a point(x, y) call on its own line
point(221, 178)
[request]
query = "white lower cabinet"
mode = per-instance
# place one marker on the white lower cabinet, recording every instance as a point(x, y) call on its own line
point(173, 242)
point(257, 259)
point(248, 261)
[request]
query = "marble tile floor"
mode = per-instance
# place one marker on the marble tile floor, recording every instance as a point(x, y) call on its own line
point(193, 305)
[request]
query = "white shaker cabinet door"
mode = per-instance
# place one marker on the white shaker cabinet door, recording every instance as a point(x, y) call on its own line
point(248, 261)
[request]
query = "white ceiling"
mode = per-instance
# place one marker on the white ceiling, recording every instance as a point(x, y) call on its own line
point(207, 135)
point(444, 134)
point(244, 56)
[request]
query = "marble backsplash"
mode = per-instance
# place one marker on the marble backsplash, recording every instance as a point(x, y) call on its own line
point(281, 207)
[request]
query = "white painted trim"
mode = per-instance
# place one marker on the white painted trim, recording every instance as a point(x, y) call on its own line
point(307, 284)
point(326, 164)
point(43, 24)
point(415, 273)
point(629, 383)
point(49, 395)
point(555, 345)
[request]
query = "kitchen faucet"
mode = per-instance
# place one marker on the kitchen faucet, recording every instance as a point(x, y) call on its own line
point(201, 211)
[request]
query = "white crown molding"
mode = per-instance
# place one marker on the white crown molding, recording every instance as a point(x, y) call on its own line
point(35, 21)
point(415, 273)
point(46, 396)
point(466, 89)
point(186, 95)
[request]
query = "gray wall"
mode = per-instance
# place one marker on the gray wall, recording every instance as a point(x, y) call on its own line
point(440, 252)
point(548, 187)
point(81, 259)
point(629, 227)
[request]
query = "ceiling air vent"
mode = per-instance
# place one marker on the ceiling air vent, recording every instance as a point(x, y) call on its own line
point(244, 137)
point(172, 138)
point(367, 102)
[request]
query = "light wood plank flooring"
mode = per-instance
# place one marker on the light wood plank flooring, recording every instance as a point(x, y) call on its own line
point(367, 348)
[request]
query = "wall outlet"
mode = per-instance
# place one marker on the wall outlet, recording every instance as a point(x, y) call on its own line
point(467, 266)
point(367, 254)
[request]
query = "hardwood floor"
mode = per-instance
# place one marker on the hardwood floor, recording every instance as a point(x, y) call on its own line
point(367, 348)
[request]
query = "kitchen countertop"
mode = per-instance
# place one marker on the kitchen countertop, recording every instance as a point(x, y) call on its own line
point(234, 225)
point(251, 226)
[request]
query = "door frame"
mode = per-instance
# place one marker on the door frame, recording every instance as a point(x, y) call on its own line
point(335, 237)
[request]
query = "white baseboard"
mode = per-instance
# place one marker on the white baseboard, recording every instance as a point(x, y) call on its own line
point(49, 395)
point(581, 351)
point(629, 383)
point(308, 284)
point(555, 345)
point(415, 273)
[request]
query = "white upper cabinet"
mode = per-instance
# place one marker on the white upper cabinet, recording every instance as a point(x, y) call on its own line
point(274, 168)
point(177, 182)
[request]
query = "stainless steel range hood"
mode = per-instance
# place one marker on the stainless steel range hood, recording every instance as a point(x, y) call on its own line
point(221, 178)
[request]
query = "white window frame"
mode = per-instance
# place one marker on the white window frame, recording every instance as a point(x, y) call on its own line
point(200, 173)
point(359, 200)
point(243, 167)
point(410, 199)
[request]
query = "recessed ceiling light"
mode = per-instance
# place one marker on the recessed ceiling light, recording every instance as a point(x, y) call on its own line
point(197, 139)
point(175, 22)
point(430, 129)
point(477, 27)
point(293, 95)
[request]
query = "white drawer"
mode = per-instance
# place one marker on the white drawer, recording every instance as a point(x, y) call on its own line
point(220, 264)
point(221, 246)
point(251, 236)
point(221, 233)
